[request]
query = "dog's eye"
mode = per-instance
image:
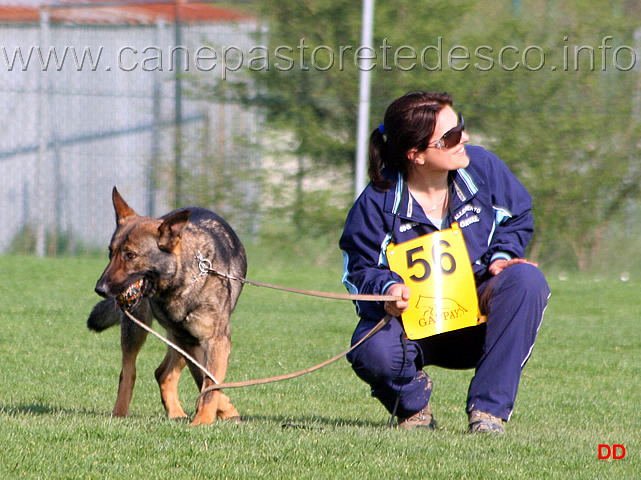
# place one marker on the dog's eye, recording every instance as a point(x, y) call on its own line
point(130, 255)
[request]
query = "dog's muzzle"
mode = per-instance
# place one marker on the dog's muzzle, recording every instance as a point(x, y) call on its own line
point(132, 295)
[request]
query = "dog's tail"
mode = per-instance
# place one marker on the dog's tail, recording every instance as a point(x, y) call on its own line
point(104, 315)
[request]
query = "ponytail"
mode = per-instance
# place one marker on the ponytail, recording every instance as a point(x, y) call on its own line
point(376, 160)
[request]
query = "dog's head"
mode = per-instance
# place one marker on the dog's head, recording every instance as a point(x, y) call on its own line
point(142, 253)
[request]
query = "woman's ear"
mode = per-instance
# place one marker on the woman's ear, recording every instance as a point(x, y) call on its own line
point(414, 157)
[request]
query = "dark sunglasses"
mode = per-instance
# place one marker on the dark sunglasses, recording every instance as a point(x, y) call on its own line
point(452, 137)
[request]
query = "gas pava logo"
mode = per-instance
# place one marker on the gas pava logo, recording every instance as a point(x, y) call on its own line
point(439, 311)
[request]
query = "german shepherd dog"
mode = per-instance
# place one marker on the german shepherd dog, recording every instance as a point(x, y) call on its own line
point(153, 272)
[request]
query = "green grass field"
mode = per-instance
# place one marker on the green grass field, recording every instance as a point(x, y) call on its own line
point(58, 384)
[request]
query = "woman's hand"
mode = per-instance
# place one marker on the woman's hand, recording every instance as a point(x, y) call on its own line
point(501, 264)
point(398, 307)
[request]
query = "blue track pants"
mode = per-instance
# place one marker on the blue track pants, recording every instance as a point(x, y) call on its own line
point(513, 301)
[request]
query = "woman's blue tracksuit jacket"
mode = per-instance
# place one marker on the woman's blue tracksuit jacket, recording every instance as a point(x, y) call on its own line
point(493, 210)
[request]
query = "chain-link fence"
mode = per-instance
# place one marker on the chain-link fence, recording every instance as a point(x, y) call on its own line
point(96, 97)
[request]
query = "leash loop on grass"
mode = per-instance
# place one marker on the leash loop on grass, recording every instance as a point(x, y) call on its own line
point(259, 381)
point(248, 383)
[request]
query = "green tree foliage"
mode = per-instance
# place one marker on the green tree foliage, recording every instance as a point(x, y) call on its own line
point(550, 86)
point(569, 129)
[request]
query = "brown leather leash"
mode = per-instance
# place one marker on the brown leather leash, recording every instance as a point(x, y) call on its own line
point(170, 343)
point(260, 381)
point(205, 267)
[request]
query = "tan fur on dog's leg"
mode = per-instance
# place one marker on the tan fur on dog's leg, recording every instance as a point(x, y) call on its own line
point(227, 411)
point(125, 386)
point(130, 349)
point(217, 355)
point(132, 338)
point(167, 376)
point(206, 410)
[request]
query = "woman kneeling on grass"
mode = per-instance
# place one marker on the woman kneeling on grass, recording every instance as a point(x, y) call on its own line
point(423, 179)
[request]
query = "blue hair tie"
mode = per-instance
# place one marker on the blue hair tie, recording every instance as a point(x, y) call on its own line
point(381, 128)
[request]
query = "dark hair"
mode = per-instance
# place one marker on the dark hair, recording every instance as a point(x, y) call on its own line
point(409, 123)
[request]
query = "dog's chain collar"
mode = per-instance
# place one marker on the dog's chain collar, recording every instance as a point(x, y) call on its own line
point(204, 265)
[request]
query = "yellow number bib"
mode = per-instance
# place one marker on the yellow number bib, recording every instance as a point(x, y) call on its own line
point(437, 269)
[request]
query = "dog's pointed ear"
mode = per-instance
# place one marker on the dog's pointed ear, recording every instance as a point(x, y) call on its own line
point(171, 230)
point(120, 206)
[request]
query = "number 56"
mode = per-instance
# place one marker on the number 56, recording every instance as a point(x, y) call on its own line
point(413, 259)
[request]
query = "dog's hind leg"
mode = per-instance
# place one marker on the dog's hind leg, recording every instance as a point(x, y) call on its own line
point(132, 338)
point(167, 376)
